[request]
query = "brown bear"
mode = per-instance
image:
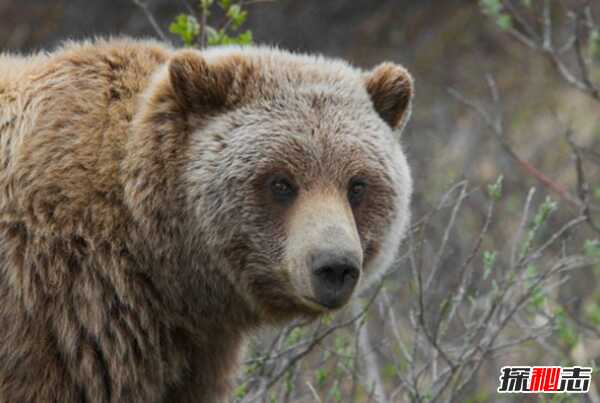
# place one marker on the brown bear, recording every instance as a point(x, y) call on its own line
point(158, 205)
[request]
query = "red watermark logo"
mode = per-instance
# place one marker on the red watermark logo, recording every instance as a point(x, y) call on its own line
point(545, 379)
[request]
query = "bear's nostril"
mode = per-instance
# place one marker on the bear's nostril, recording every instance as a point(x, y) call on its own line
point(333, 283)
point(337, 275)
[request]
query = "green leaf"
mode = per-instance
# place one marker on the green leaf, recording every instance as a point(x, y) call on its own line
point(186, 27)
point(215, 38)
point(327, 319)
point(531, 272)
point(491, 7)
point(593, 313)
point(547, 207)
point(566, 332)
point(289, 381)
point(504, 22)
point(236, 15)
point(295, 336)
point(240, 391)
point(224, 4)
point(591, 248)
point(205, 4)
point(489, 258)
point(336, 392)
point(538, 296)
point(544, 211)
point(320, 376)
point(594, 43)
point(390, 371)
point(220, 37)
point(495, 190)
point(245, 38)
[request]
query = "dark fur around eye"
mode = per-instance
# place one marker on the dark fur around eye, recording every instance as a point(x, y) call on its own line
point(356, 191)
point(282, 189)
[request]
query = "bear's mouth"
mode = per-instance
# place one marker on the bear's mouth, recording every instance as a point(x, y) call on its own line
point(315, 305)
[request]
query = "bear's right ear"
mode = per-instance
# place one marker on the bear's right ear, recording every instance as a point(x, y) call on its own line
point(196, 85)
point(390, 87)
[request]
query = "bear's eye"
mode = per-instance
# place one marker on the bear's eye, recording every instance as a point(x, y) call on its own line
point(356, 191)
point(282, 189)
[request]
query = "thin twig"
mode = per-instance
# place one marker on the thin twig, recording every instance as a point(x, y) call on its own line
point(155, 25)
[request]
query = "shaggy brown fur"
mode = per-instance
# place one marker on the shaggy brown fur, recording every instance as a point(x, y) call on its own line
point(138, 245)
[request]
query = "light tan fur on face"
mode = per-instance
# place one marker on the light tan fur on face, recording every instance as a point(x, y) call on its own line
point(321, 218)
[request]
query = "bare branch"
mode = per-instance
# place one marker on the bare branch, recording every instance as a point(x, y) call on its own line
point(155, 25)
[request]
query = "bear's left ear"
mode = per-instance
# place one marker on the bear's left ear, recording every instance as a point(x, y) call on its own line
point(390, 87)
point(198, 86)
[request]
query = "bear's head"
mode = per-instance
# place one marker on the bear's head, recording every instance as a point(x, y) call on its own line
point(285, 170)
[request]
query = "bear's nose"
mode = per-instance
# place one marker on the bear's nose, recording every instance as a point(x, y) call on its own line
point(334, 276)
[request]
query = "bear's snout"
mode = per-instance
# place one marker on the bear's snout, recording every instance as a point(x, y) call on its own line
point(334, 276)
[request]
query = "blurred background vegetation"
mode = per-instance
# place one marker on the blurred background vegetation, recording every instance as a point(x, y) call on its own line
point(502, 266)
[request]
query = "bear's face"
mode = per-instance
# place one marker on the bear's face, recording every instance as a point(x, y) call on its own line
point(294, 175)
